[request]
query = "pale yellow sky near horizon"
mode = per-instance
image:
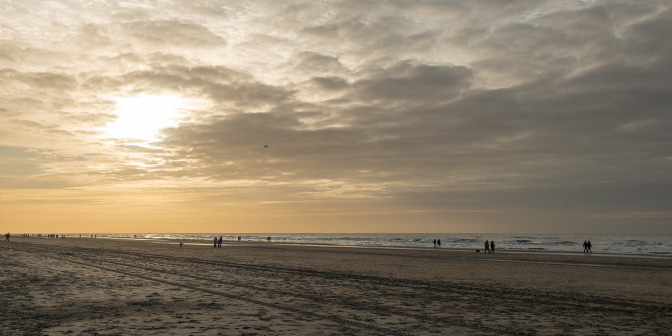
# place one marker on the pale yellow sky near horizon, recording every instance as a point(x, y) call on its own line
point(338, 116)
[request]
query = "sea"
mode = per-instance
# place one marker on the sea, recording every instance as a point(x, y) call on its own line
point(640, 244)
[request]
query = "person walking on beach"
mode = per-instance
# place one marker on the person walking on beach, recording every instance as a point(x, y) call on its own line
point(590, 248)
point(269, 239)
point(492, 246)
point(438, 243)
point(215, 242)
point(585, 246)
point(434, 243)
point(487, 247)
point(219, 243)
point(7, 237)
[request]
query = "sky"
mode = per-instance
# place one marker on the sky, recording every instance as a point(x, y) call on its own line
point(447, 116)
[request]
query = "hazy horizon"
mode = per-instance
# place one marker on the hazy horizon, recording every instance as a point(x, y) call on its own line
point(344, 233)
point(335, 116)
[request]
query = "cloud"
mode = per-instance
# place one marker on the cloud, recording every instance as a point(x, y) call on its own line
point(172, 33)
point(632, 215)
point(331, 83)
point(39, 80)
point(417, 83)
point(314, 63)
point(459, 108)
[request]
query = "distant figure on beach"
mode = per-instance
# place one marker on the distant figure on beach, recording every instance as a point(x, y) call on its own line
point(269, 239)
point(215, 242)
point(434, 243)
point(590, 248)
point(585, 246)
point(492, 246)
point(219, 243)
point(7, 237)
point(238, 238)
point(438, 243)
point(487, 247)
point(181, 245)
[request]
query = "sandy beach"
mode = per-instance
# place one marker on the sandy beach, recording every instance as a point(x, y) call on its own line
point(82, 286)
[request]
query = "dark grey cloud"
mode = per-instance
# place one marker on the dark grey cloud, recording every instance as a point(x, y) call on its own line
point(318, 64)
point(421, 84)
point(331, 83)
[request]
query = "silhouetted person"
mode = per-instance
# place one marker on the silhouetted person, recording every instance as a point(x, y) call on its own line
point(181, 245)
point(219, 243)
point(590, 247)
point(238, 238)
point(438, 243)
point(7, 237)
point(492, 246)
point(269, 239)
point(434, 243)
point(585, 246)
point(487, 246)
point(215, 242)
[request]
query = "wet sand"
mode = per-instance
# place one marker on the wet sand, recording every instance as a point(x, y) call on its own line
point(79, 286)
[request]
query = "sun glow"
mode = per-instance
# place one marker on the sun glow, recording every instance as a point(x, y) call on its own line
point(143, 117)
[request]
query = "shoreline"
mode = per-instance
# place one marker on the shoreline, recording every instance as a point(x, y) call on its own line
point(571, 259)
point(500, 250)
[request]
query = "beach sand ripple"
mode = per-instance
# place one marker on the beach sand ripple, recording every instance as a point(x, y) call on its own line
point(125, 287)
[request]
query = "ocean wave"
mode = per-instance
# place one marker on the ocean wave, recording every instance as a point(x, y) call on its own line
point(565, 242)
point(466, 240)
point(628, 244)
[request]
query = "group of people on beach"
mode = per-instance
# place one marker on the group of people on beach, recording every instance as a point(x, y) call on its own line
point(217, 242)
point(587, 247)
point(490, 246)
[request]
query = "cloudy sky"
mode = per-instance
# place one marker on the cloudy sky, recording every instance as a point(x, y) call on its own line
point(379, 116)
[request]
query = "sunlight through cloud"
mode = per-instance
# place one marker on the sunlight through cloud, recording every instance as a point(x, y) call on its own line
point(143, 117)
